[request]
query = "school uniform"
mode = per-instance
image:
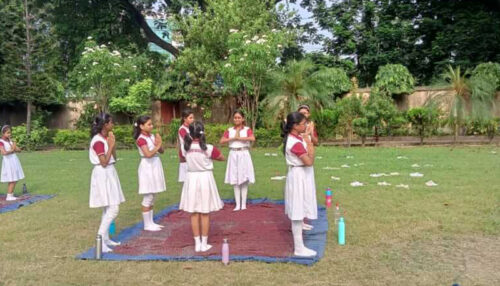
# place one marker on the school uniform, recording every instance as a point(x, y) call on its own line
point(151, 176)
point(105, 188)
point(183, 130)
point(300, 186)
point(239, 169)
point(199, 193)
point(11, 167)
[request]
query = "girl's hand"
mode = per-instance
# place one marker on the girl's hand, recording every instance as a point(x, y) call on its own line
point(158, 140)
point(111, 140)
point(237, 134)
point(307, 138)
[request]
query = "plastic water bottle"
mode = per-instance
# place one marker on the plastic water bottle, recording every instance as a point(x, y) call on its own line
point(337, 213)
point(225, 252)
point(341, 232)
point(112, 228)
point(25, 189)
point(98, 247)
point(328, 197)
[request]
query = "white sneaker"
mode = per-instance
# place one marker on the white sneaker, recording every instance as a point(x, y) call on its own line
point(10, 197)
point(105, 248)
point(147, 222)
point(110, 242)
point(304, 251)
point(153, 222)
point(197, 244)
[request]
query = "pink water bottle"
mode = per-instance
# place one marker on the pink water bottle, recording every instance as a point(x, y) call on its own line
point(328, 197)
point(225, 252)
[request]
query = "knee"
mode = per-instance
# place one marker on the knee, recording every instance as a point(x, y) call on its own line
point(148, 200)
point(112, 211)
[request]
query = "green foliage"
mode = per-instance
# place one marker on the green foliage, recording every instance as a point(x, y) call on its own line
point(87, 115)
point(380, 110)
point(348, 109)
point(362, 128)
point(213, 132)
point(72, 139)
point(123, 136)
point(331, 81)
point(481, 127)
point(171, 131)
point(268, 137)
point(137, 102)
point(39, 137)
point(326, 121)
point(394, 79)
point(488, 70)
point(424, 120)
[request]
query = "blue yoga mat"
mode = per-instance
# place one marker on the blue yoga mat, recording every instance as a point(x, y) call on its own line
point(17, 204)
point(314, 239)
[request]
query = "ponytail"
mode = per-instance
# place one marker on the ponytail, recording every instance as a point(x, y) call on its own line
point(196, 131)
point(137, 125)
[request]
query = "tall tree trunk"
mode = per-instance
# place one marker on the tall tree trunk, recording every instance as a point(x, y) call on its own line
point(27, 65)
point(455, 136)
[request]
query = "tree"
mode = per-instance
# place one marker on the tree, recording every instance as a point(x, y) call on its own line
point(458, 111)
point(136, 102)
point(349, 109)
point(424, 120)
point(380, 110)
point(394, 79)
point(29, 55)
point(301, 82)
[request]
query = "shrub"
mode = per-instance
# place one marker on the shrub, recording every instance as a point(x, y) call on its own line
point(326, 121)
point(213, 132)
point(268, 137)
point(72, 139)
point(38, 137)
point(424, 120)
point(123, 136)
point(170, 131)
point(490, 70)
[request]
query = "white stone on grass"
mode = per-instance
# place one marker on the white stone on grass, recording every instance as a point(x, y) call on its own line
point(278, 178)
point(416, 175)
point(403, 186)
point(356, 184)
point(430, 184)
point(335, 178)
point(384, 183)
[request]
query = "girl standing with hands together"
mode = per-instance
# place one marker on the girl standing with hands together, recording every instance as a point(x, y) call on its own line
point(200, 196)
point(11, 167)
point(300, 190)
point(239, 170)
point(151, 177)
point(105, 188)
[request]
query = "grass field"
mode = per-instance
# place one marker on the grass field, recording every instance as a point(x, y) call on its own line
point(395, 236)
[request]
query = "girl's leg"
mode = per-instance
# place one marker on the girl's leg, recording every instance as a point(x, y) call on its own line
point(147, 213)
point(244, 192)
point(105, 237)
point(111, 212)
point(10, 191)
point(195, 226)
point(237, 197)
point(205, 227)
point(298, 242)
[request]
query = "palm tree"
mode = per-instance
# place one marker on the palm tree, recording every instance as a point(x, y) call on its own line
point(296, 83)
point(459, 83)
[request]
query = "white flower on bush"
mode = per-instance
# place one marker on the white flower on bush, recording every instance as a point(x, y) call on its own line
point(134, 67)
point(233, 31)
point(116, 64)
point(245, 36)
point(248, 42)
point(280, 46)
point(255, 38)
point(94, 63)
point(242, 59)
point(102, 46)
point(274, 30)
point(230, 50)
point(129, 57)
point(261, 41)
point(227, 65)
point(245, 55)
point(91, 87)
point(89, 38)
point(127, 80)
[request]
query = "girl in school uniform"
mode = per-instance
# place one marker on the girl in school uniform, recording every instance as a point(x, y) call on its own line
point(239, 170)
point(151, 177)
point(300, 190)
point(199, 195)
point(313, 136)
point(187, 117)
point(11, 167)
point(105, 188)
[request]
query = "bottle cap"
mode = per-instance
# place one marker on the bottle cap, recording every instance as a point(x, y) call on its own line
point(225, 240)
point(341, 219)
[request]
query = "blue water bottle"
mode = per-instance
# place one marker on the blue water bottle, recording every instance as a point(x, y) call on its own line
point(112, 228)
point(341, 231)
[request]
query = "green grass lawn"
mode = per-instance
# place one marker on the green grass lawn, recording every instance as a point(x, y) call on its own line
point(395, 236)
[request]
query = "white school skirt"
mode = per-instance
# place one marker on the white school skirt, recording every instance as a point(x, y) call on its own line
point(11, 169)
point(239, 168)
point(300, 194)
point(183, 168)
point(151, 176)
point(200, 194)
point(105, 188)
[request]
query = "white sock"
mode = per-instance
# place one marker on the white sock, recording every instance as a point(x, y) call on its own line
point(299, 247)
point(147, 222)
point(152, 220)
point(109, 214)
point(244, 192)
point(237, 197)
point(197, 243)
point(306, 226)
point(204, 243)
